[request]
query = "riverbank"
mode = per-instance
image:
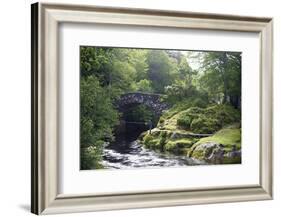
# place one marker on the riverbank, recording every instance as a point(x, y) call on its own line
point(212, 134)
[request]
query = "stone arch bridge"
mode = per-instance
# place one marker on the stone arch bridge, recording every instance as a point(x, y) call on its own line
point(151, 100)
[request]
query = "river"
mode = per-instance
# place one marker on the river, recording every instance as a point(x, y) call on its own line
point(126, 152)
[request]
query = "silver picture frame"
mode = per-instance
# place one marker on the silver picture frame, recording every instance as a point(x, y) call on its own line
point(45, 20)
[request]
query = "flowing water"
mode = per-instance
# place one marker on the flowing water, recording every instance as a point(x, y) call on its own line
point(126, 152)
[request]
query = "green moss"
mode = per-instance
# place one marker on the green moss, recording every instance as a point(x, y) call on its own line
point(184, 105)
point(147, 139)
point(171, 147)
point(153, 144)
point(178, 146)
point(228, 137)
point(181, 143)
point(207, 120)
point(225, 114)
point(204, 124)
point(186, 117)
point(227, 140)
point(187, 143)
point(163, 140)
point(161, 120)
point(176, 129)
point(199, 154)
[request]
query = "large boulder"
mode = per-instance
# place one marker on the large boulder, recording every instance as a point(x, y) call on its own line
point(215, 153)
point(205, 151)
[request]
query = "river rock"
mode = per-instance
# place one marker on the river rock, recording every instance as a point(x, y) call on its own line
point(215, 153)
point(234, 154)
point(209, 151)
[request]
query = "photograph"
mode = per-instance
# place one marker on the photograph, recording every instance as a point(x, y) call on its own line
point(135, 108)
point(153, 108)
point(138, 107)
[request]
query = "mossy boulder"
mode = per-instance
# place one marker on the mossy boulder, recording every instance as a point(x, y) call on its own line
point(179, 146)
point(142, 135)
point(150, 141)
point(177, 142)
point(228, 136)
point(207, 134)
point(224, 147)
point(203, 151)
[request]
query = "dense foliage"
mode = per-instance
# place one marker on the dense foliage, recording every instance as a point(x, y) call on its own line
point(221, 77)
point(97, 119)
point(208, 120)
point(205, 99)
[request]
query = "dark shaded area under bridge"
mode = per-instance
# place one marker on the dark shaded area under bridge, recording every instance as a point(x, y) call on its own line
point(128, 101)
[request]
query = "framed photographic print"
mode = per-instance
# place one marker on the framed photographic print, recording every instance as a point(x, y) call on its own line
point(140, 108)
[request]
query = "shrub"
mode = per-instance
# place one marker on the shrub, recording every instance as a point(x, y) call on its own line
point(203, 124)
point(185, 105)
point(90, 158)
point(208, 120)
point(198, 102)
point(184, 121)
point(225, 114)
point(195, 111)
point(185, 118)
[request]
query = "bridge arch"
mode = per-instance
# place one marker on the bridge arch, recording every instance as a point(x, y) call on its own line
point(151, 100)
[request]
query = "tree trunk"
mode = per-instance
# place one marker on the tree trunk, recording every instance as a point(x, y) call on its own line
point(234, 101)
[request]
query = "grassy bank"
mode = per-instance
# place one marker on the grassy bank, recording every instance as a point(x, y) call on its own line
point(211, 134)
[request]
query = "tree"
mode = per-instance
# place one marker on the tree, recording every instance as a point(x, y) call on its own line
point(97, 119)
point(143, 86)
point(185, 71)
point(96, 61)
point(161, 69)
point(235, 79)
point(222, 76)
point(138, 59)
